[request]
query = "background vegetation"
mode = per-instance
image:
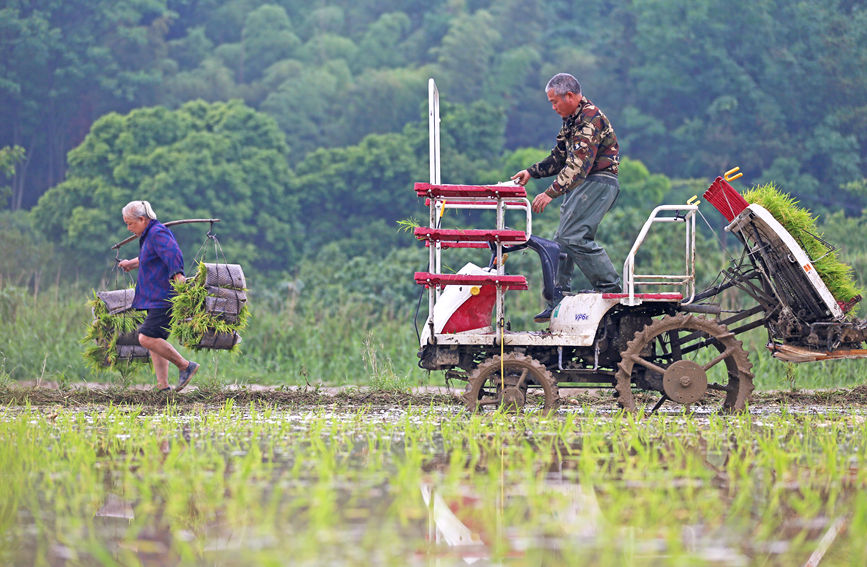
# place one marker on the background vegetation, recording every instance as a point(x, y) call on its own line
point(302, 125)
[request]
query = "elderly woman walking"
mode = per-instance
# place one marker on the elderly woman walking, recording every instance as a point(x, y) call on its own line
point(159, 261)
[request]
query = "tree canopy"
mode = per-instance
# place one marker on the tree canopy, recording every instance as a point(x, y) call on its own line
point(692, 86)
point(204, 160)
point(304, 125)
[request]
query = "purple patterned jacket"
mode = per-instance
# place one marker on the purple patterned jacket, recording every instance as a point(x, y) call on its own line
point(159, 260)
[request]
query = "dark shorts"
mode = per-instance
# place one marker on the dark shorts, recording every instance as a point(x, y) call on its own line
point(156, 324)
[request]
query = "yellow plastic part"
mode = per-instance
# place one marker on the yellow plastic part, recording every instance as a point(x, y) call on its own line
point(730, 174)
point(693, 200)
point(475, 290)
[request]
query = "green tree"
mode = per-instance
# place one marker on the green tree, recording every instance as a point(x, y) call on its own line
point(747, 83)
point(345, 191)
point(267, 38)
point(203, 160)
point(365, 113)
point(380, 46)
point(471, 141)
point(9, 158)
point(27, 255)
point(308, 107)
point(465, 55)
point(639, 187)
point(62, 62)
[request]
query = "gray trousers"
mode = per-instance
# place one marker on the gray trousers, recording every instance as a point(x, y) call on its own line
point(580, 214)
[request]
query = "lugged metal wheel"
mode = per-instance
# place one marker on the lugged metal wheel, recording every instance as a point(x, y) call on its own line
point(514, 388)
point(669, 356)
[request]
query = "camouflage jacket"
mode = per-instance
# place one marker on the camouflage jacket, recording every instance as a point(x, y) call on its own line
point(586, 144)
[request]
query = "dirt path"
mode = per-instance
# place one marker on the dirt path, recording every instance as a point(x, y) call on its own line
point(355, 396)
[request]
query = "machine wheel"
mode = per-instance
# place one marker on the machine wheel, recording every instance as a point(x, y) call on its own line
point(486, 388)
point(669, 356)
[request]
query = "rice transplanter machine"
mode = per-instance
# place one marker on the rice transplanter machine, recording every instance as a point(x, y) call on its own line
point(651, 347)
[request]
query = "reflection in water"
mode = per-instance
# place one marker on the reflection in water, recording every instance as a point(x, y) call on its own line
point(453, 522)
point(562, 513)
point(148, 542)
point(234, 487)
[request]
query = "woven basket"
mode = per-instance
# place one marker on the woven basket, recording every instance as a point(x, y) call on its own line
point(219, 341)
point(129, 353)
point(225, 308)
point(128, 339)
point(234, 294)
point(225, 275)
point(117, 301)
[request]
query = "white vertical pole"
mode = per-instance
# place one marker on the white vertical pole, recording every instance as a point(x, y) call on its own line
point(434, 130)
point(433, 106)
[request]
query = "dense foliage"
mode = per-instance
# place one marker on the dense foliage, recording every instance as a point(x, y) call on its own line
point(201, 161)
point(303, 125)
point(692, 86)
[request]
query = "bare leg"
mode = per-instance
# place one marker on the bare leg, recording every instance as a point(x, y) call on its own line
point(164, 350)
point(161, 369)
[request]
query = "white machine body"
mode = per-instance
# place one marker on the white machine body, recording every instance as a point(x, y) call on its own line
point(580, 315)
point(464, 308)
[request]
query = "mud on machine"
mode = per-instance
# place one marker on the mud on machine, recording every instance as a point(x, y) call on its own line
point(655, 347)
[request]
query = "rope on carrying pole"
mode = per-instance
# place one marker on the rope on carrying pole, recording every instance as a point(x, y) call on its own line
point(170, 223)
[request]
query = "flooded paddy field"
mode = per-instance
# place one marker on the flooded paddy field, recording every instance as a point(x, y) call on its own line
point(379, 478)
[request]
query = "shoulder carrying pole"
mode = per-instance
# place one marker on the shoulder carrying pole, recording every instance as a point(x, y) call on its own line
point(170, 223)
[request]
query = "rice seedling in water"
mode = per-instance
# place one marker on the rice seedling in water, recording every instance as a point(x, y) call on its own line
point(236, 485)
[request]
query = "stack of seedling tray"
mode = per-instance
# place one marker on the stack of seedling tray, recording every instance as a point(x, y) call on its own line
point(114, 331)
point(801, 224)
point(209, 310)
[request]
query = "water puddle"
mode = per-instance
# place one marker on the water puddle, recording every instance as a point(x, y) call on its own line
point(252, 485)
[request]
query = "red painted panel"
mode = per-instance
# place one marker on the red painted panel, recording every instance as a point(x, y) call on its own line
point(507, 281)
point(473, 313)
point(492, 191)
point(725, 198)
point(470, 235)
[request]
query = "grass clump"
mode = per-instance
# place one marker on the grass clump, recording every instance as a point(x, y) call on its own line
point(103, 333)
point(801, 224)
point(195, 320)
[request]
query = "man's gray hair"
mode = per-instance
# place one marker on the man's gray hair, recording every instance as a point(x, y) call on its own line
point(563, 83)
point(138, 209)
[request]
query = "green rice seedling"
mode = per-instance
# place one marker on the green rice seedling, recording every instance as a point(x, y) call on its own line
point(102, 335)
point(240, 484)
point(191, 320)
point(801, 224)
point(379, 367)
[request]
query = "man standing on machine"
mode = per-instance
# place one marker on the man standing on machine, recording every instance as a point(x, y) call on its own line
point(585, 160)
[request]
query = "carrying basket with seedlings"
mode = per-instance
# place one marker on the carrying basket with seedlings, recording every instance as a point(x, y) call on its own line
point(113, 332)
point(210, 309)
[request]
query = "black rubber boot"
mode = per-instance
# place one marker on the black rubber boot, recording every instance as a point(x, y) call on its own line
point(545, 315)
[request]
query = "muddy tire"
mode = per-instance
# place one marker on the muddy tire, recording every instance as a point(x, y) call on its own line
point(678, 358)
point(523, 385)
